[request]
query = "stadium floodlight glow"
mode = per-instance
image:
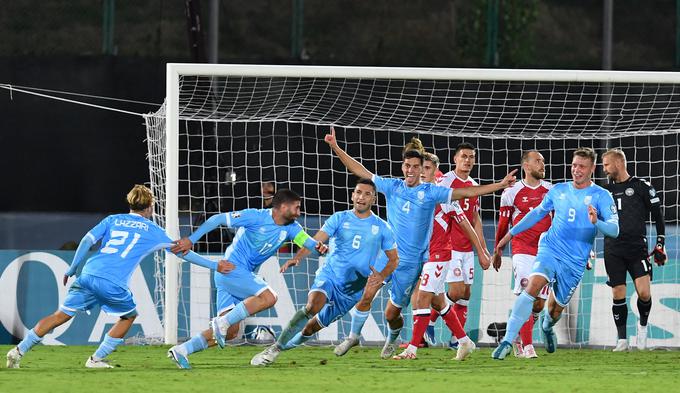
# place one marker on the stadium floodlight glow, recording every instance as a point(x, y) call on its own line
point(214, 115)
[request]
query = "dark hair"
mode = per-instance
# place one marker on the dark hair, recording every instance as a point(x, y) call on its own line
point(284, 196)
point(586, 152)
point(525, 155)
point(413, 154)
point(368, 182)
point(464, 146)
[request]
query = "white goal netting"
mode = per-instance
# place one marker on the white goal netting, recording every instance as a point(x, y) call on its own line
point(237, 132)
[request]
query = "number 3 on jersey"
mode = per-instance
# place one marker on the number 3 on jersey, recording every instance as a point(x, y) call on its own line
point(118, 238)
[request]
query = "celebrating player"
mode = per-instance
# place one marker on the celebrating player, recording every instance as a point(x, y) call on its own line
point(516, 202)
point(635, 199)
point(431, 289)
point(358, 236)
point(243, 293)
point(581, 208)
point(410, 206)
point(126, 240)
point(462, 267)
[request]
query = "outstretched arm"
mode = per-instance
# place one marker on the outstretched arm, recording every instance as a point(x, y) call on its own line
point(183, 245)
point(471, 192)
point(222, 266)
point(352, 165)
point(320, 237)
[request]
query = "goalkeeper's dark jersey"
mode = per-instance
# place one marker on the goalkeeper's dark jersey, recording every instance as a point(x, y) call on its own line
point(635, 199)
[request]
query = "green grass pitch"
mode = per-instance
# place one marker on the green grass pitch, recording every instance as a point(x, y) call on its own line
point(315, 369)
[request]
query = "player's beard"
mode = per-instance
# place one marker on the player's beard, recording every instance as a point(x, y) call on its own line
point(538, 175)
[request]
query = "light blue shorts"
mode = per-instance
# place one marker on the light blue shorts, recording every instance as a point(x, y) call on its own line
point(404, 279)
point(88, 291)
point(236, 286)
point(564, 276)
point(338, 301)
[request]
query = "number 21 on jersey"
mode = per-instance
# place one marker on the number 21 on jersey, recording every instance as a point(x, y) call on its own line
point(118, 238)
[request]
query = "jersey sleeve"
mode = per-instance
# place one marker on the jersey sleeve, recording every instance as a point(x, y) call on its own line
point(331, 225)
point(242, 218)
point(441, 194)
point(535, 215)
point(653, 203)
point(608, 217)
point(99, 230)
point(384, 185)
point(454, 211)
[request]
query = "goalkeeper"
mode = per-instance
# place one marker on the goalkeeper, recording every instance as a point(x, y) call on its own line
point(635, 199)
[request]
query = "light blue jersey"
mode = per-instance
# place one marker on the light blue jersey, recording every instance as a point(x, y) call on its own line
point(355, 243)
point(410, 212)
point(258, 237)
point(126, 240)
point(571, 235)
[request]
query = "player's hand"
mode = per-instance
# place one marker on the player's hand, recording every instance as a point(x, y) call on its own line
point(289, 263)
point(375, 280)
point(510, 179)
point(182, 246)
point(497, 260)
point(66, 276)
point(321, 248)
point(484, 259)
point(330, 138)
point(224, 266)
point(590, 264)
point(592, 214)
point(659, 251)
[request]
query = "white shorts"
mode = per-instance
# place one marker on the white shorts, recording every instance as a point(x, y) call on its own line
point(433, 277)
point(462, 267)
point(522, 266)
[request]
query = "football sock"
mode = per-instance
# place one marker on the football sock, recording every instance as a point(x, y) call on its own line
point(526, 332)
point(296, 341)
point(358, 320)
point(520, 312)
point(453, 323)
point(195, 344)
point(28, 342)
point(461, 309)
point(421, 321)
point(296, 324)
point(549, 322)
point(106, 347)
point(643, 309)
point(236, 315)
point(620, 314)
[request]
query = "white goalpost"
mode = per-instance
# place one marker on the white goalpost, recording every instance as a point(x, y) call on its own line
point(224, 130)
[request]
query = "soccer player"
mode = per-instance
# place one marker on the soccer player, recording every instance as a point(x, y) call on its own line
point(126, 240)
point(635, 198)
point(462, 267)
point(430, 292)
point(243, 293)
point(410, 211)
point(581, 208)
point(357, 236)
point(516, 202)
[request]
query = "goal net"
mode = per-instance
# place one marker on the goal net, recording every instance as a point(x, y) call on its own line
point(226, 130)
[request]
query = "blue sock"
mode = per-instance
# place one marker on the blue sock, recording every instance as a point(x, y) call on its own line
point(107, 346)
point(296, 324)
point(393, 335)
point(28, 342)
point(237, 314)
point(548, 322)
point(296, 341)
point(520, 313)
point(358, 320)
point(196, 344)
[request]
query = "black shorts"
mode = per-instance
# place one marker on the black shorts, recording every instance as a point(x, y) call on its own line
point(619, 261)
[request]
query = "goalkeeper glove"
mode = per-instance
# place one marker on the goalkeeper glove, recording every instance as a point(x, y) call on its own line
point(659, 252)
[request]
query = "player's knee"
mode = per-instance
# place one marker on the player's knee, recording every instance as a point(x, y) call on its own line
point(539, 304)
point(129, 316)
point(268, 298)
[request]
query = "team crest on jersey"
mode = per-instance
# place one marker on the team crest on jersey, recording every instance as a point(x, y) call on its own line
point(421, 195)
point(588, 199)
point(612, 208)
point(562, 196)
point(629, 191)
point(235, 214)
point(345, 225)
point(282, 235)
point(374, 229)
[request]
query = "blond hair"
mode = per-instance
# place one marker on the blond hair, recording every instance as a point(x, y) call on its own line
point(586, 152)
point(139, 198)
point(427, 156)
point(618, 153)
point(415, 144)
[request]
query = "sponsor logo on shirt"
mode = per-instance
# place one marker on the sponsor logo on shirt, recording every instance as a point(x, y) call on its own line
point(374, 229)
point(588, 199)
point(421, 195)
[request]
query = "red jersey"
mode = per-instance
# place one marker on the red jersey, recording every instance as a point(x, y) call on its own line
point(516, 202)
point(446, 217)
point(470, 206)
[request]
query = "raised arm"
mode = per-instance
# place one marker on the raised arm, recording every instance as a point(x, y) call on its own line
point(352, 165)
point(320, 237)
point(471, 192)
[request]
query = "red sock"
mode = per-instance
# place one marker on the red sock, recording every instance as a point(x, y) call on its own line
point(453, 323)
point(526, 332)
point(461, 313)
point(419, 326)
point(434, 315)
